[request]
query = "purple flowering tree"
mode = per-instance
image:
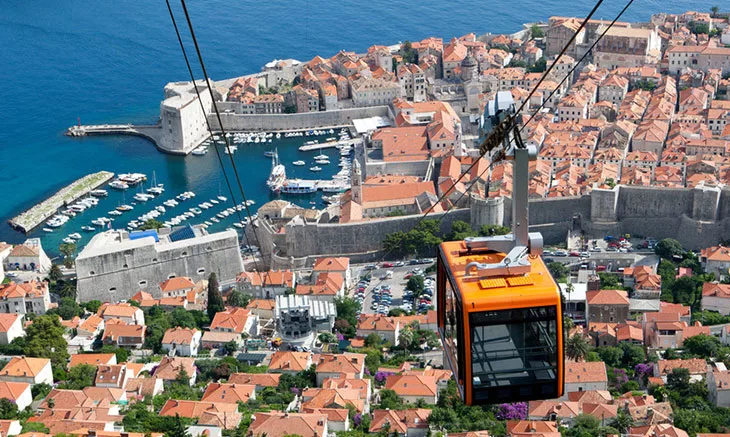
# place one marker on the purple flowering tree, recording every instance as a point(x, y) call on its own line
point(515, 411)
point(357, 420)
point(380, 377)
point(643, 372)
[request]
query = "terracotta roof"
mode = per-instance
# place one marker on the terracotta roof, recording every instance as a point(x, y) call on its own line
point(31, 289)
point(220, 337)
point(716, 290)
point(177, 283)
point(194, 409)
point(333, 414)
point(179, 335)
point(530, 426)
point(24, 366)
point(280, 424)
point(228, 393)
point(376, 322)
point(400, 421)
point(233, 319)
point(23, 250)
point(257, 379)
point(114, 332)
point(141, 386)
point(716, 253)
point(7, 320)
point(118, 310)
point(170, 367)
point(412, 385)
point(262, 304)
point(278, 278)
point(327, 284)
point(406, 143)
point(607, 297)
point(289, 361)
point(91, 359)
point(113, 374)
point(361, 385)
point(12, 390)
point(141, 296)
point(629, 333)
point(695, 366)
point(591, 396)
point(336, 363)
point(585, 372)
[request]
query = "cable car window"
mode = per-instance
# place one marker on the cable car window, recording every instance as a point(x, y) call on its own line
point(452, 325)
point(512, 350)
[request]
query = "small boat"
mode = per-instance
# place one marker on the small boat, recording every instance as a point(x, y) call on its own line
point(88, 228)
point(68, 240)
point(99, 193)
point(238, 225)
point(214, 202)
point(299, 163)
point(315, 168)
point(222, 198)
point(220, 215)
point(322, 161)
point(75, 236)
point(142, 197)
point(250, 202)
point(214, 220)
point(160, 209)
point(269, 154)
point(200, 151)
point(207, 223)
point(119, 185)
point(47, 230)
point(322, 156)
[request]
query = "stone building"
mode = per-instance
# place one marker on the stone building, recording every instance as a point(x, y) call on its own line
point(25, 298)
point(115, 264)
point(607, 306)
point(627, 47)
point(182, 119)
point(299, 318)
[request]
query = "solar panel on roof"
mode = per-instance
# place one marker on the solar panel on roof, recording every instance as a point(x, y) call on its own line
point(183, 233)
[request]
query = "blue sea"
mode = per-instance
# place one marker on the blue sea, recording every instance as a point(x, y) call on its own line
point(104, 61)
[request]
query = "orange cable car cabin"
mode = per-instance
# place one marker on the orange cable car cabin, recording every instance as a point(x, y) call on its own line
point(502, 335)
point(499, 309)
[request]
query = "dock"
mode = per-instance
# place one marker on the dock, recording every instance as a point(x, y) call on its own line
point(30, 219)
point(151, 132)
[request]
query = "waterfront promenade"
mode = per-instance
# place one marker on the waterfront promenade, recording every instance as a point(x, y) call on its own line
point(30, 219)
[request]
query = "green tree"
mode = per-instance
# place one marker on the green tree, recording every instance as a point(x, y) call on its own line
point(44, 338)
point(92, 306)
point(460, 230)
point(68, 250)
point(703, 345)
point(40, 391)
point(633, 354)
point(230, 348)
point(577, 347)
point(121, 353)
point(327, 337)
point(79, 377)
point(584, 425)
point(151, 224)
point(68, 309)
point(416, 283)
point(8, 409)
point(408, 53)
point(55, 275)
point(178, 429)
point(559, 271)
point(373, 340)
point(536, 31)
point(714, 10)
point(612, 356)
point(347, 309)
point(668, 248)
point(517, 63)
point(215, 301)
point(623, 421)
point(390, 399)
point(237, 298)
point(609, 281)
point(182, 318)
point(406, 337)
point(34, 427)
point(492, 230)
point(538, 67)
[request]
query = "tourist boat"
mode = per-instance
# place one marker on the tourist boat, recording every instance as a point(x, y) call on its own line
point(68, 240)
point(321, 156)
point(124, 208)
point(119, 185)
point(298, 186)
point(99, 193)
point(200, 151)
point(132, 178)
point(47, 230)
point(75, 236)
point(299, 163)
point(315, 168)
point(322, 161)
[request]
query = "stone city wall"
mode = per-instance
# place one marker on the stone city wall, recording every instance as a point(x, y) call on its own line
point(299, 121)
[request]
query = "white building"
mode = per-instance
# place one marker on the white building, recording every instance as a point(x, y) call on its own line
point(28, 256)
point(11, 327)
point(184, 342)
point(17, 392)
point(28, 370)
point(373, 92)
point(27, 297)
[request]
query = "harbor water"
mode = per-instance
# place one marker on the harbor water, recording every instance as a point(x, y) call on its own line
point(107, 62)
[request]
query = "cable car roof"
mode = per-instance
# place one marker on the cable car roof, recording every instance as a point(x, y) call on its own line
point(534, 289)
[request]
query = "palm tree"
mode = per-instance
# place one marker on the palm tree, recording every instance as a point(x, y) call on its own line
point(714, 11)
point(406, 337)
point(577, 348)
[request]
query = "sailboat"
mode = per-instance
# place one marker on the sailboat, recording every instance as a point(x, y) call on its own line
point(278, 174)
point(155, 188)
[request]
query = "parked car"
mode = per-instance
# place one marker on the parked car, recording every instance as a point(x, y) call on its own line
point(387, 264)
point(399, 264)
point(561, 253)
point(584, 255)
point(595, 249)
point(371, 267)
point(574, 253)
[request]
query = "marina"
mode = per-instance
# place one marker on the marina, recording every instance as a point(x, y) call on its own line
point(30, 219)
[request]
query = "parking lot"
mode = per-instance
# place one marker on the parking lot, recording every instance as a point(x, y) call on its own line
point(394, 297)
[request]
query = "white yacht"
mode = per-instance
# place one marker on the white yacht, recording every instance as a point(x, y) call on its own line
point(299, 163)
